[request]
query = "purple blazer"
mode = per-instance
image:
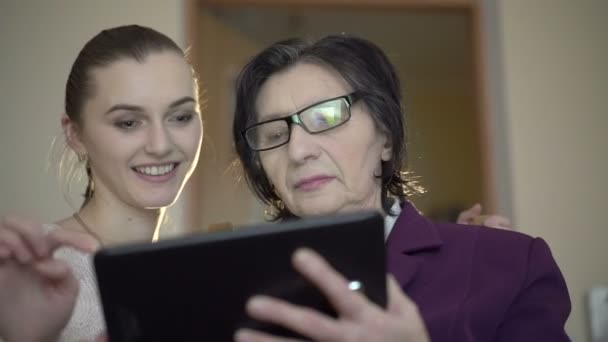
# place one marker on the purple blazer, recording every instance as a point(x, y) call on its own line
point(477, 283)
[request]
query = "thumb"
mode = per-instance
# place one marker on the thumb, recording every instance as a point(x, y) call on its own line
point(67, 238)
point(59, 276)
point(53, 269)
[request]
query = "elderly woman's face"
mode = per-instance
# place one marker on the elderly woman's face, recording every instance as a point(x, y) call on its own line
point(329, 172)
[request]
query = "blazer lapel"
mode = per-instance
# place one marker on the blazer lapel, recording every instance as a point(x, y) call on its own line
point(412, 233)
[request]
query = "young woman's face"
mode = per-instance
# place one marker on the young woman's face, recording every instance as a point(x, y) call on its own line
point(141, 129)
point(328, 172)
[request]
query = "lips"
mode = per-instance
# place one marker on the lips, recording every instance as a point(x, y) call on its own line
point(155, 170)
point(313, 183)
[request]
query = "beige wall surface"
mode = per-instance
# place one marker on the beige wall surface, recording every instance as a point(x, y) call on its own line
point(555, 70)
point(39, 41)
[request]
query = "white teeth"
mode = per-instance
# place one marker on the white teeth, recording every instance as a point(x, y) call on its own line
point(155, 170)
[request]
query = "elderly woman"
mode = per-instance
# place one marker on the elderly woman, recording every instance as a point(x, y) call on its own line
point(319, 130)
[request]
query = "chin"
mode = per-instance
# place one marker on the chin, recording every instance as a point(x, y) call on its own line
point(318, 209)
point(158, 202)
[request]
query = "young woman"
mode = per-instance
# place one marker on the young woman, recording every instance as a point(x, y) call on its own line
point(133, 119)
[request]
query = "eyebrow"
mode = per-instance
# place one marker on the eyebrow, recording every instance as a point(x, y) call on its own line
point(134, 108)
point(275, 116)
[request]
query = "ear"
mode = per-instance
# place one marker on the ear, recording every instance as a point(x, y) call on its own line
point(387, 148)
point(71, 130)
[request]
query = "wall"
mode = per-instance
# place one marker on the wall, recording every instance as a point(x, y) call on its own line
point(551, 57)
point(39, 42)
point(554, 67)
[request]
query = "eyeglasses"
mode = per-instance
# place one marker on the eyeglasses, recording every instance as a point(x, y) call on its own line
point(316, 118)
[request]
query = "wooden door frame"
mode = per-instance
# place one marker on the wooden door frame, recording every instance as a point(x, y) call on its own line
point(472, 7)
point(376, 4)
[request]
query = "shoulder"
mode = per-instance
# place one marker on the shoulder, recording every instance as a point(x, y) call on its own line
point(486, 239)
point(521, 266)
point(519, 275)
point(495, 251)
point(455, 231)
point(507, 279)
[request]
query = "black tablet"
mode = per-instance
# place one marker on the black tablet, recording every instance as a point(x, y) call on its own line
point(195, 288)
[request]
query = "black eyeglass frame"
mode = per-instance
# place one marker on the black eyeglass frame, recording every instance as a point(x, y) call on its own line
point(294, 118)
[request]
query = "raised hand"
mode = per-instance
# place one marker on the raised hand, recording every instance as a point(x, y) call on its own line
point(474, 215)
point(358, 318)
point(38, 292)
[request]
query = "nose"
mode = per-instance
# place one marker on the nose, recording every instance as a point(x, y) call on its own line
point(302, 145)
point(158, 141)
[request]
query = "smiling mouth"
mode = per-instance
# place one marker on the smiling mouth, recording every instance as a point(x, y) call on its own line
point(155, 170)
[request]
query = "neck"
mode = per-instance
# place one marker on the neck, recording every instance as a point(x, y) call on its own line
point(114, 223)
point(374, 201)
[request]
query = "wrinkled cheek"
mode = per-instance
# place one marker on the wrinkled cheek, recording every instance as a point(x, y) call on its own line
point(272, 169)
point(364, 183)
point(279, 182)
point(278, 179)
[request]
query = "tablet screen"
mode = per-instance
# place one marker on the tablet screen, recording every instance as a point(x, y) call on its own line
point(196, 287)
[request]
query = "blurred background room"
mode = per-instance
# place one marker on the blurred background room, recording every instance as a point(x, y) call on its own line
point(504, 102)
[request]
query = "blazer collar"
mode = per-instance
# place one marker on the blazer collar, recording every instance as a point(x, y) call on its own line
point(411, 233)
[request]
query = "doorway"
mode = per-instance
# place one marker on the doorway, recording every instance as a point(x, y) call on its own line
point(434, 48)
